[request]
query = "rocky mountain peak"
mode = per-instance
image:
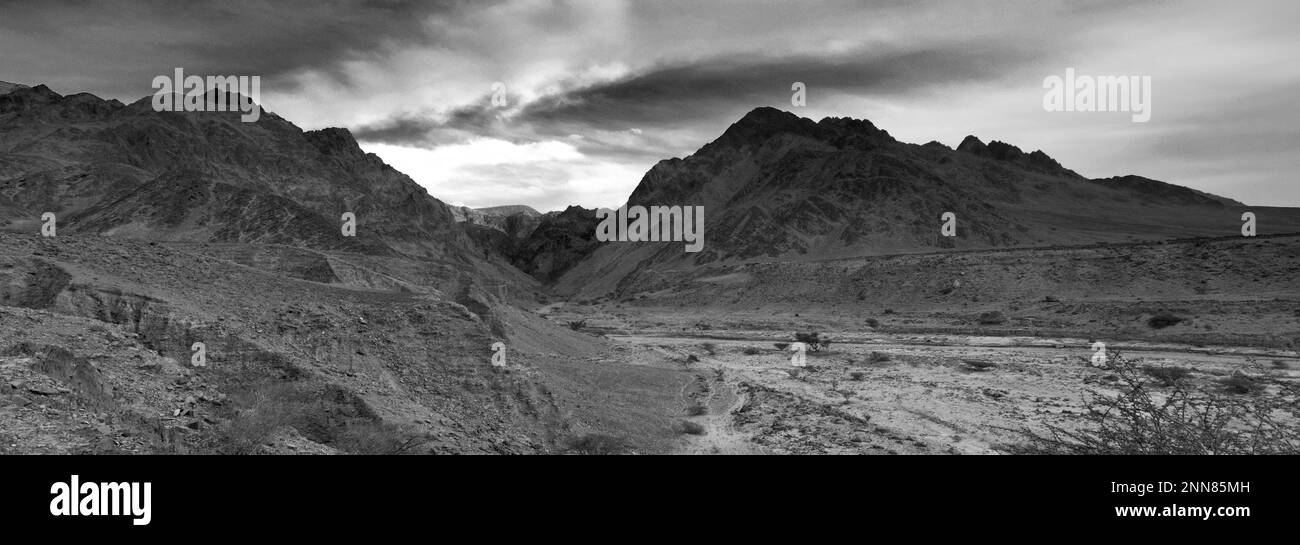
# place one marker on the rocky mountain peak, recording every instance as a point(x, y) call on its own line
point(763, 123)
point(1002, 151)
point(27, 98)
point(334, 141)
point(971, 144)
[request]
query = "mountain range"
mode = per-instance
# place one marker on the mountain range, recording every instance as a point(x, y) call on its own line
point(775, 186)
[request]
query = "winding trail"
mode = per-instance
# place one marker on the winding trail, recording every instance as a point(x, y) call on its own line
point(722, 400)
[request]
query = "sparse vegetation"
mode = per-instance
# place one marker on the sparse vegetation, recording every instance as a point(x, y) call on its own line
point(879, 357)
point(1166, 375)
point(873, 323)
point(578, 325)
point(781, 346)
point(1240, 383)
point(750, 351)
point(979, 365)
point(992, 317)
point(598, 444)
point(1182, 419)
point(813, 339)
point(710, 348)
point(691, 428)
point(1161, 321)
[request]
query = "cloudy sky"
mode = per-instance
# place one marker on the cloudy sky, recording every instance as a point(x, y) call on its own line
point(598, 91)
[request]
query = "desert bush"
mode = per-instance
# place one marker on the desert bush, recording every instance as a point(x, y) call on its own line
point(750, 351)
point(1183, 419)
point(1239, 383)
point(781, 346)
point(1161, 321)
point(598, 444)
point(710, 348)
point(857, 376)
point(692, 358)
point(1051, 299)
point(577, 325)
point(691, 428)
point(872, 322)
point(992, 317)
point(813, 339)
point(696, 409)
point(889, 311)
point(1166, 375)
point(879, 357)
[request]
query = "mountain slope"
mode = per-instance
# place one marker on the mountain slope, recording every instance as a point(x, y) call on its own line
point(6, 87)
point(108, 168)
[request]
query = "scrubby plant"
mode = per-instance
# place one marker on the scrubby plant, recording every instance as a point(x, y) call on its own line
point(1161, 321)
point(1240, 383)
point(813, 339)
point(992, 317)
point(598, 444)
point(1166, 375)
point(691, 428)
point(1181, 418)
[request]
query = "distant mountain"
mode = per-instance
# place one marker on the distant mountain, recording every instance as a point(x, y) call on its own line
point(113, 169)
point(515, 221)
point(776, 186)
point(6, 87)
point(510, 210)
point(559, 242)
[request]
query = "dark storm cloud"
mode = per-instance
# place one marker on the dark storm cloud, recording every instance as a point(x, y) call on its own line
point(115, 47)
point(709, 94)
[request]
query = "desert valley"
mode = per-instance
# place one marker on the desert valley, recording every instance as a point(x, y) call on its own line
point(177, 229)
